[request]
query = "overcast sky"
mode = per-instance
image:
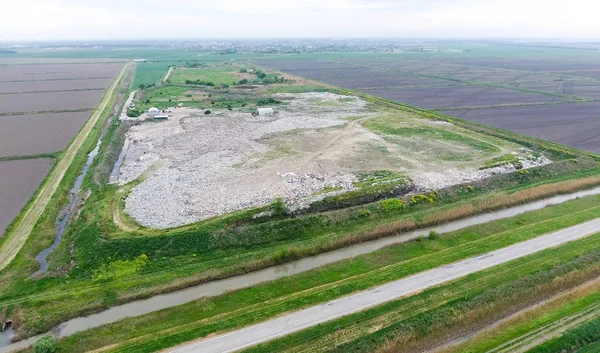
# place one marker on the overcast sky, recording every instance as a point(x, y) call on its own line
point(167, 19)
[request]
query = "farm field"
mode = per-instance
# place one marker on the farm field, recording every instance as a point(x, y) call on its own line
point(49, 101)
point(524, 95)
point(41, 72)
point(547, 122)
point(18, 181)
point(35, 104)
point(32, 134)
point(54, 85)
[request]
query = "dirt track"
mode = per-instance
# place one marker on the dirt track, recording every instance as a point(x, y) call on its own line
point(17, 238)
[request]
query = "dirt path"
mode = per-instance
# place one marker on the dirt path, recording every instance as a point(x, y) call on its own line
point(129, 99)
point(168, 74)
point(18, 236)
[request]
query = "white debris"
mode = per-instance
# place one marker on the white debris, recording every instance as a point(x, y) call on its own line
point(197, 166)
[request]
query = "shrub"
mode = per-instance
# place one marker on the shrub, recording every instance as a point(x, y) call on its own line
point(268, 101)
point(363, 212)
point(285, 255)
point(46, 344)
point(420, 238)
point(469, 187)
point(133, 113)
point(278, 207)
point(206, 112)
point(432, 235)
point(390, 205)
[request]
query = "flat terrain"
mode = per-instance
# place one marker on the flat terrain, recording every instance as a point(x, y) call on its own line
point(18, 181)
point(237, 340)
point(38, 133)
point(215, 192)
point(35, 100)
point(49, 101)
point(506, 92)
point(42, 72)
point(54, 85)
point(461, 96)
point(574, 124)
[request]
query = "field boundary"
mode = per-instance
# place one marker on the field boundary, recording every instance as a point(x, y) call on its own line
point(16, 238)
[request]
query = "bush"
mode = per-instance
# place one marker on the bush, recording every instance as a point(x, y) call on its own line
point(133, 113)
point(363, 212)
point(390, 205)
point(46, 344)
point(269, 101)
point(432, 235)
point(206, 112)
point(278, 207)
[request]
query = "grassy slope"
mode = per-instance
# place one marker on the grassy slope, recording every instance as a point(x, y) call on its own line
point(538, 322)
point(250, 305)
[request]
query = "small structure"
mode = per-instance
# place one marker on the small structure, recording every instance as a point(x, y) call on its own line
point(265, 111)
point(153, 112)
point(161, 116)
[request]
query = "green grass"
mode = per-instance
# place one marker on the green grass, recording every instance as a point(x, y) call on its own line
point(503, 160)
point(438, 313)
point(247, 306)
point(150, 72)
point(216, 75)
point(534, 323)
point(586, 335)
point(431, 133)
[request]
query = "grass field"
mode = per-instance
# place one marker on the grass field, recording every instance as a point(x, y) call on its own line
point(216, 75)
point(149, 72)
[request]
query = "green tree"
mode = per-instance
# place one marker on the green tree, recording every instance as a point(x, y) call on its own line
point(206, 112)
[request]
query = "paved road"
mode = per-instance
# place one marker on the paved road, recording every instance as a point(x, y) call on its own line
point(252, 335)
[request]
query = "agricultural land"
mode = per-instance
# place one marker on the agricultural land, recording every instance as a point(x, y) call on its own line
point(265, 186)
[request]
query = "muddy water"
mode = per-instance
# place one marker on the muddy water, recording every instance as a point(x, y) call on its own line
point(214, 288)
point(61, 223)
point(114, 174)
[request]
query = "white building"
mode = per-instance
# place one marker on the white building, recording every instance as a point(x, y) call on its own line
point(265, 111)
point(153, 111)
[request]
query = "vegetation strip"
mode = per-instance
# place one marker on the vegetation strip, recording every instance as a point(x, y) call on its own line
point(261, 302)
point(587, 334)
point(18, 235)
point(533, 323)
point(419, 323)
point(153, 335)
